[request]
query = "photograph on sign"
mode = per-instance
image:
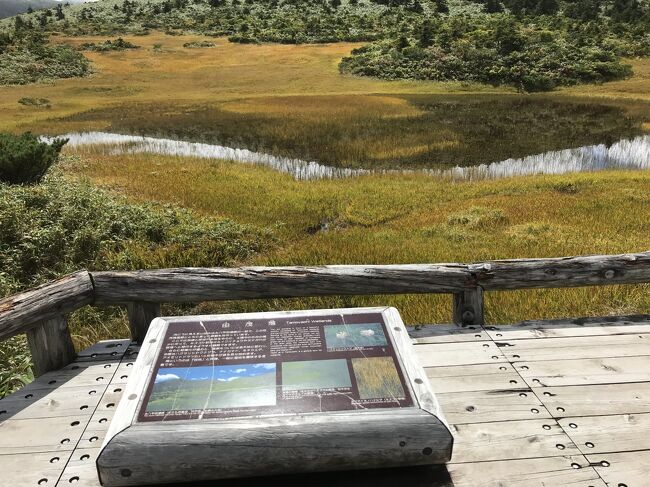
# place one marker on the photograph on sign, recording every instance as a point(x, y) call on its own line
point(242, 368)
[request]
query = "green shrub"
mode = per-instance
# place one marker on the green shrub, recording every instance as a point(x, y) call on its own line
point(198, 44)
point(24, 159)
point(59, 226)
point(494, 49)
point(35, 102)
point(31, 59)
point(117, 45)
point(15, 365)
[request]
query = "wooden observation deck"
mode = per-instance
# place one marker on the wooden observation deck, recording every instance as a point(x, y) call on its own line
point(539, 403)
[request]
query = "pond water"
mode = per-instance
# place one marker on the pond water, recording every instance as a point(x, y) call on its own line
point(631, 153)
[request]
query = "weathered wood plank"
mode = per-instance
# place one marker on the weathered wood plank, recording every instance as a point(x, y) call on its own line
point(469, 353)
point(20, 312)
point(509, 440)
point(51, 345)
point(576, 347)
point(204, 284)
point(566, 471)
point(95, 375)
point(571, 327)
point(598, 400)
point(466, 378)
point(489, 406)
point(311, 443)
point(616, 370)
point(628, 469)
point(106, 347)
point(194, 284)
point(140, 316)
point(49, 403)
point(429, 476)
point(605, 434)
point(29, 469)
point(446, 334)
point(562, 272)
point(82, 475)
point(468, 309)
point(39, 435)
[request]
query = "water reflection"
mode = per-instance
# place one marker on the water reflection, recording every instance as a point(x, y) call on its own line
point(624, 154)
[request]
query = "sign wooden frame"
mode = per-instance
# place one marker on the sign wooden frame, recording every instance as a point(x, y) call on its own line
point(140, 452)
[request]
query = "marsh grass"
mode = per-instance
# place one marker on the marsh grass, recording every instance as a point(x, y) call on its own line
point(372, 219)
point(307, 110)
point(409, 219)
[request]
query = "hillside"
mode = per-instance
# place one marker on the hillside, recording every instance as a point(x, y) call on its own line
point(9, 8)
point(537, 45)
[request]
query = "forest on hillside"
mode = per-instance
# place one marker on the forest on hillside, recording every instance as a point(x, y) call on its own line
point(534, 45)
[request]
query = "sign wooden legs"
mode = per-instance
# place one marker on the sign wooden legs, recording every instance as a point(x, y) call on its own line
point(140, 315)
point(468, 307)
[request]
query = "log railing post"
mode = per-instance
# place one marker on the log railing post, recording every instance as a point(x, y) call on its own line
point(141, 314)
point(51, 345)
point(468, 307)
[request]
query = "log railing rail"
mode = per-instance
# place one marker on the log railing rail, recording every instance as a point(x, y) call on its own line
point(41, 312)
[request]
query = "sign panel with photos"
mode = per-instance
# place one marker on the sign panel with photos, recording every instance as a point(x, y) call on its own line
point(228, 368)
point(269, 376)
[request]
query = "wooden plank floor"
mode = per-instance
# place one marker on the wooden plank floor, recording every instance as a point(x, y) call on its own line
point(540, 403)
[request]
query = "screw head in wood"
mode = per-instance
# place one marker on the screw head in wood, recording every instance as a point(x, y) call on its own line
point(468, 316)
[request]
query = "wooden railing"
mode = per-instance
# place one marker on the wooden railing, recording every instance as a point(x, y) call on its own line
point(41, 312)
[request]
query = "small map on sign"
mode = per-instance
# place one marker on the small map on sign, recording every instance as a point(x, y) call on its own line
point(298, 364)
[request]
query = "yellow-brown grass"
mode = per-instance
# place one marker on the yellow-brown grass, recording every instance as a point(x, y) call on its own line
point(374, 219)
point(377, 378)
point(411, 219)
point(230, 73)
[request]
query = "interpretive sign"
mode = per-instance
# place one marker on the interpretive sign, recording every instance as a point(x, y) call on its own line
point(228, 368)
point(208, 390)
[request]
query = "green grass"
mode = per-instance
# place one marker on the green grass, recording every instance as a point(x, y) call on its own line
point(15, 365)
point(315, 374)
point(192, 394)
point(60, 226)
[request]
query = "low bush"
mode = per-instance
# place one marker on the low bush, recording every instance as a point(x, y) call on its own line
point(30, 59)
point(60, 226)
point(198, 44)
point(35, 102)
point(24, 159)
point(495, 49)
point(117, 45)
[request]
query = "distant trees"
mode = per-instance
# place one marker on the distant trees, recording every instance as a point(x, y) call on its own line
point(583, 10)
point(24, 159)
point(491, 49)
point(442, 7)
point(26, 57)
point(502, 39)
point(625, 10)
point(58, 12)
